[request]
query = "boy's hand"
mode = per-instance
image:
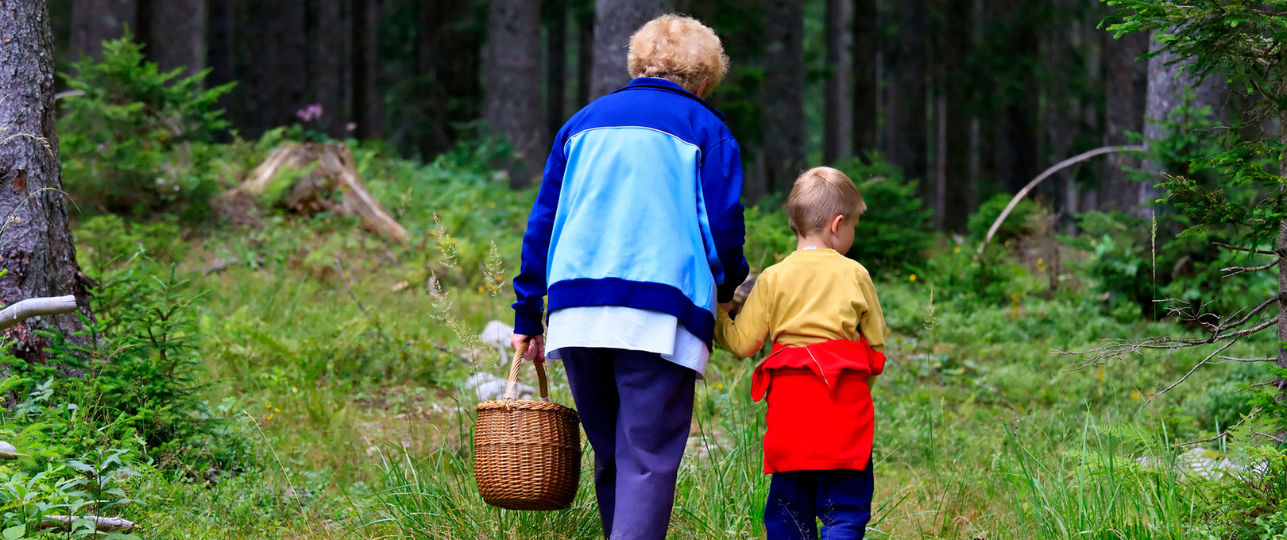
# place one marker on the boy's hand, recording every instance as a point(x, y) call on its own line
point(726, 307)
point(535, 346)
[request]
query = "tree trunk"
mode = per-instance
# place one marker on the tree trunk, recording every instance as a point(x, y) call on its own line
point(512, 84)
point(221, 39)
point(614, 22)
point(1166, 89)
point(584, 55)
point(555, 65)
point(95, 21)
point(327, 73)
point(908, 64)
point(784, 94)
point(276, 39)
point(1017, 145)
point(958, 196)
point(174, 31)
point(35, 241)
point(1282, 266)
point(865, 100)
point(837, 128)
point(368, 110)
point(1125, 88)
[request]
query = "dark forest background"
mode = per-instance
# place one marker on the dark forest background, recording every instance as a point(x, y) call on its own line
point(971, 97)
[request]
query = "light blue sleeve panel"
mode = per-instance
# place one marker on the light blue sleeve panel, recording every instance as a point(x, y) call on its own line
point(630, 209)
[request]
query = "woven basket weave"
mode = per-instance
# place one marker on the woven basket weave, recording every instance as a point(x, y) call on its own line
point(527, 454)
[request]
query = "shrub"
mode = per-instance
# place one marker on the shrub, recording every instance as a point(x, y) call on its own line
point(137, 141)
point(139, 382)
point(896, 230)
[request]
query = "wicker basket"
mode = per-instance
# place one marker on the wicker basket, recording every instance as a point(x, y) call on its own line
point(527, 454)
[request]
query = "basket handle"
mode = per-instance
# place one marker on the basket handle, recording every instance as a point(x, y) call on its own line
point(511, 387)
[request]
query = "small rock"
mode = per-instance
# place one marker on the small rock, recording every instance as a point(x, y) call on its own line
point(7, 451)
point(497, 334)
point(488, 387)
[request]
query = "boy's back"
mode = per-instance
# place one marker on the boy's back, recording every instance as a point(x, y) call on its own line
point(812, 296)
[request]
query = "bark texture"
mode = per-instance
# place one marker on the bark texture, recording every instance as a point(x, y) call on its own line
point(614, 22)
point(1125, 87)
point(865, 101)
point(327, 73)
point(1166, 89)
point(367, 101)
point(512, 84)
point(174, 31)
point(838, 122)
point(555, 65)
point(35, 241)
point(95, 21)
point(276, 38)
point(221, 34)
point(908, 108)
point(783, 94)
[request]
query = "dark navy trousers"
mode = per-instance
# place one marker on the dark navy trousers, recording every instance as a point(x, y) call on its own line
point(841, 499)
point(636, 409)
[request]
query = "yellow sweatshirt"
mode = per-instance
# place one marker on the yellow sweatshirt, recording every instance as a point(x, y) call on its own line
point(814, 295)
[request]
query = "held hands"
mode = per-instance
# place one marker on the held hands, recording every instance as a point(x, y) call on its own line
point(535, 346)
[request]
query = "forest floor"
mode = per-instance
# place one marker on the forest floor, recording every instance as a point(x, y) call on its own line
point(343, 374)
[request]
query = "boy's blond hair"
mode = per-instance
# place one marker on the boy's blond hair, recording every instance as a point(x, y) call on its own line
point(679, 49)
point(819, 195)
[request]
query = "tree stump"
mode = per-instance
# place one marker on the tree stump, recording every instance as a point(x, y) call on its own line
point(327, 181)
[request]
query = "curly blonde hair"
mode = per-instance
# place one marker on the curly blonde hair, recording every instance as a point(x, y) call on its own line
point(679, 49)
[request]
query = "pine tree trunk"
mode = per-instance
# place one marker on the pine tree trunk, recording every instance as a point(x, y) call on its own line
point(276, 39)
point(584, 55)
point(1281, 248)
point(95, 21)
point(1166, 89)
point(837, 128)
point(908, 64)
point(221, 39)
point(783, 89)
point(512, 84)
point(1125, 88)
point(614, 22)
point(368, 111)
point(327, 74)
point(959, 194)
point(865, 100)
point(35, 241)
point(555, 65)
point(174, 31)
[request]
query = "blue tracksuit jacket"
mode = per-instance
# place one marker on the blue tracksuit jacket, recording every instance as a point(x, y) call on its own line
point(638, 208)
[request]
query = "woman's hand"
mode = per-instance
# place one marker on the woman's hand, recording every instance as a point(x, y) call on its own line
point(535, 346)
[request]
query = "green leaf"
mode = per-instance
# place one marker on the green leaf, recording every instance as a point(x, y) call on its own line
point(15, 532)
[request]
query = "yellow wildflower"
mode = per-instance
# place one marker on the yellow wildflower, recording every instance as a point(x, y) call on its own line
point(270, 416)
point(957, 250)
point(912, 277)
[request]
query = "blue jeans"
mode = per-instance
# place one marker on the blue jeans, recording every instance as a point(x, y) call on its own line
point(841, 499)
point(637, 409)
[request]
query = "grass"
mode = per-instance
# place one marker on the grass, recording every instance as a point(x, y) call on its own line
point(356, 424)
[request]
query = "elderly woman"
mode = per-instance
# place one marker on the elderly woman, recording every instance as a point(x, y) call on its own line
point(635, 236)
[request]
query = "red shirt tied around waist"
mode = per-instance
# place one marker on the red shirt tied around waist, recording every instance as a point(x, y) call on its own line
point(820, 414)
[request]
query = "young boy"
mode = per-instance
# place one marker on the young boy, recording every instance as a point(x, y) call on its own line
point(821, 312)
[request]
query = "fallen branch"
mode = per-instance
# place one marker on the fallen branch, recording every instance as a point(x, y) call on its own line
point(36, 307)
point(1048, 172)
point(101, 524)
